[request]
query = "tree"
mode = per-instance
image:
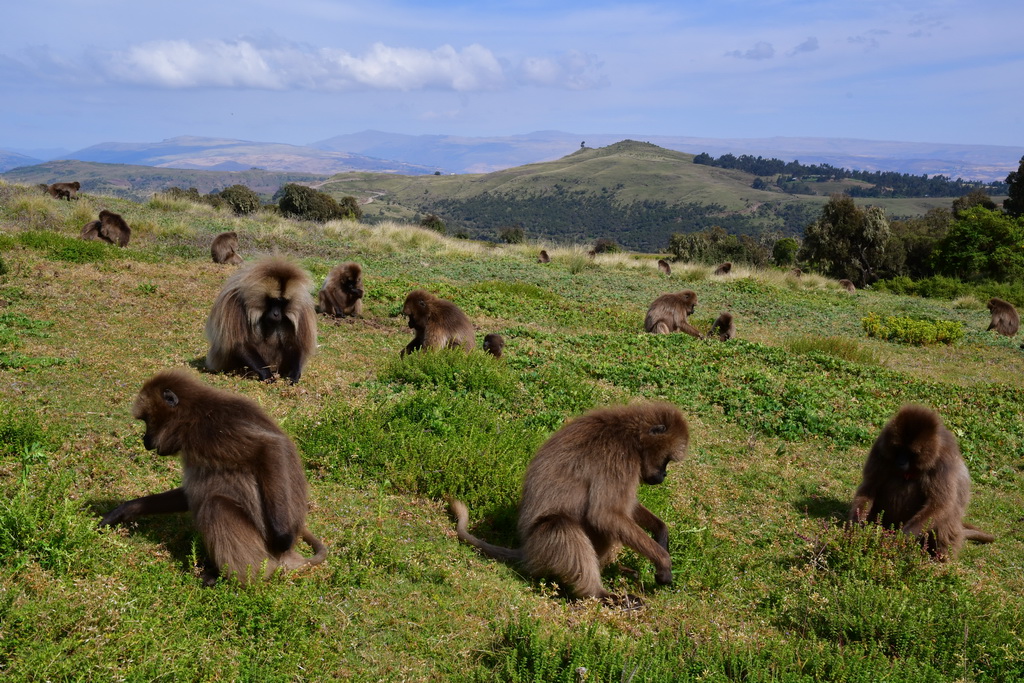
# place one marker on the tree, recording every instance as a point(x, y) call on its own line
point(973, 198)
point(350, 208)
point(299, 201)
point(433, 222)
point(784, 251)
point(981, 244)
point(513, 234)
point(241, 199)
point(919, 237)
point(1014, 203)
point(847, 242)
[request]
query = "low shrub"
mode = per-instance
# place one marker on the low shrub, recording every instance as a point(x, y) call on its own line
point(912, 330)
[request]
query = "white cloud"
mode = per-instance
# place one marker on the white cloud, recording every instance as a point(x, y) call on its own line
point(248, 64)
point(573, 71)
point(761, 50)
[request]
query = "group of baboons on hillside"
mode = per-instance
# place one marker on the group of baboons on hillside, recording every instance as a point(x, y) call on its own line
point(244, 484)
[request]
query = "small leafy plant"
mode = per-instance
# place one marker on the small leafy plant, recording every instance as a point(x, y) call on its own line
point(912, 330)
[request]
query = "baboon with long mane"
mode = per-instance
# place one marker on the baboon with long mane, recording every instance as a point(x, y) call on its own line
point(543, 257)
point(224, 248)
point(1005, 319)
point(915, 479)
point(848, 285)
point(263, 320)
point(724, 268)
point(664, 267)
point(342, 293)
point(579, 504)
point(242, 478)
point(669, 313)
point(438, 323)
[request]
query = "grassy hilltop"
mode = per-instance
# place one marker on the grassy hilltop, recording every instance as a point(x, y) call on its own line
point(769, 585)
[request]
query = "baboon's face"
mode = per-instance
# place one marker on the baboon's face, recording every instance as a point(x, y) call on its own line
point(656, 473)
point(157, 412)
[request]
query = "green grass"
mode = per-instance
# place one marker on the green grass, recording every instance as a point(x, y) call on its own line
point(770, 585)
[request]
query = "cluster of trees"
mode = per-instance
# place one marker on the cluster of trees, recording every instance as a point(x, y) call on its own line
point(884, 183)
point(973, 241)
point(291, 199)
point(576, 215)
point(717, 245)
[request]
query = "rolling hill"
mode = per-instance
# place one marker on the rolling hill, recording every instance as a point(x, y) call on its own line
point(634, 192)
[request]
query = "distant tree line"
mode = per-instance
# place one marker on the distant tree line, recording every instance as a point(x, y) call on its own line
point(884, 183)
point(578, 215)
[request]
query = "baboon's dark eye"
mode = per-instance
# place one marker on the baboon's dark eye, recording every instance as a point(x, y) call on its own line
point(659, 429)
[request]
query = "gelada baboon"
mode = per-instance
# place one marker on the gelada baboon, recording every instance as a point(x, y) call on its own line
point(543, 258)
point(494, 344)
point(669, 312)
point(67, 191)
point(723, 327)
point(110, 228)
point(342, 293)
point(579, 503)
point(664, 267)
point(797, 272)
point(847, 285)
point(263, 319)
point(915, 480)
point(1005, 319)
point(724, 268)
point(438, 323)
point(225, 248)
point(242, 479)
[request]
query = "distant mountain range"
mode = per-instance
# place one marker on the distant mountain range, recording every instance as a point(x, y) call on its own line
point(381, 152)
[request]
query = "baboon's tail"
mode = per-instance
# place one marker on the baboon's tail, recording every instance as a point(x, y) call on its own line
point(319, 549)
point(973, 533)
point(461, 528)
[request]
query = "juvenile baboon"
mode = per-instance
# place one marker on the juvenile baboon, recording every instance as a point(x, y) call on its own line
point(342, 293)
point(797, 272)
point(579, 503)
point(494, 344)
point(242, 479)
point(723, 327)
point(724, 268)
point(664, 267)
point(543, 258)
point(915, 480)
point(64, 190)
point(109, 228)
point(225, 248)
point(263, 319)
point(1005, 319)
point(847, 285)
point(669, 312)
point(438, 323)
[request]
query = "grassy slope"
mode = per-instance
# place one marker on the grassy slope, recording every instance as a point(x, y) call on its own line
point(768, 586)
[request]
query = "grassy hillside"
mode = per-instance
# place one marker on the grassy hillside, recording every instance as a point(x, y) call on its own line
point(138, 183)
point(769, 585)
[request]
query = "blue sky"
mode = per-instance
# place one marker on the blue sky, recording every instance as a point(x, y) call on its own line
point(88, 71)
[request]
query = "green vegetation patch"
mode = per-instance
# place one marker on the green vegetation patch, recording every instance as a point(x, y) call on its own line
point(912, 330)
point(69, 249)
